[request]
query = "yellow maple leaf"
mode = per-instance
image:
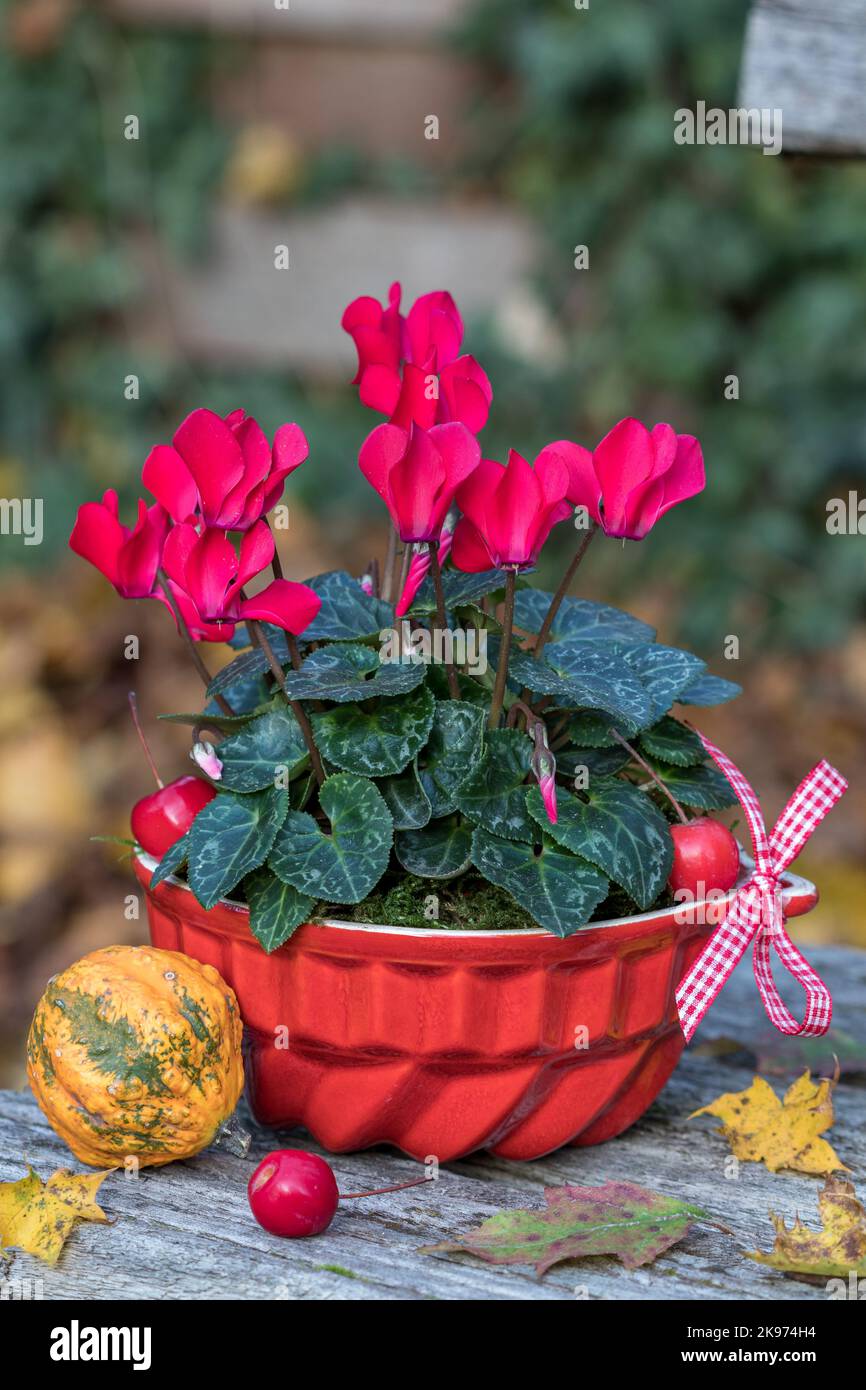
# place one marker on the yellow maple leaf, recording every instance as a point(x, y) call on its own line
point(38, 1217)
point(780, 1133)
point(836, 1250)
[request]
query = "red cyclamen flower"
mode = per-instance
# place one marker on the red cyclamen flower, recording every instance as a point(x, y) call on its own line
point(408, 368)
point(418, 569)
point(508, 511)
point(223, 470)
point(129, 558)
point(207, 576)
point(417, 472)
point(634, 476)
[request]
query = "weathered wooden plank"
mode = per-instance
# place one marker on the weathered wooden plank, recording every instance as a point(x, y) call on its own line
point(374, 20)
point(292, 317)
point(185, 1232)
point(809, 61)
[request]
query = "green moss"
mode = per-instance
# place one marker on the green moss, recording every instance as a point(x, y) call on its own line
point(467, 903)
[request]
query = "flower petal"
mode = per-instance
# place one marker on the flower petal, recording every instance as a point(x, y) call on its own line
point(166, 475)
point(287, 604)
point(469, 552)
point(213, 456)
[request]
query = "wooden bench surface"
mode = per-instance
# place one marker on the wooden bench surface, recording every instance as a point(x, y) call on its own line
point(186, 1232)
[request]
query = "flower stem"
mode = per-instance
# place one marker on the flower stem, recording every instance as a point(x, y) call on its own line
point(388, 568)
point(561, 592)
point(641, 762)
point(190, 642)
point(504, 646)
point(441, 615)
point(296, 707)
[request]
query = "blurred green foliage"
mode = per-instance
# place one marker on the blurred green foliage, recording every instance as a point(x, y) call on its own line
point(73, 193)
point(704, 261)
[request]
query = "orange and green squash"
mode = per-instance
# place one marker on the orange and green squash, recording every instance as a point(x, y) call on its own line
point(135, 1054)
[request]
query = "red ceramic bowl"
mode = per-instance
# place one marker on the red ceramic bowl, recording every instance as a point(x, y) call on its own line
point(443, 1042)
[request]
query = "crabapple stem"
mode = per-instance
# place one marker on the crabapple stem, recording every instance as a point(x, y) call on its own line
point(441, 615)
point(377, 1191)
point(133, 705)
point(504, 646)
point(650, 773)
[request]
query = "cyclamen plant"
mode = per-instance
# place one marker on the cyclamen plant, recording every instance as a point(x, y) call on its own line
point(329, 769)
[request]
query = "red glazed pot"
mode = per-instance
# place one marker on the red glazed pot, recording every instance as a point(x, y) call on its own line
point(442, 1042)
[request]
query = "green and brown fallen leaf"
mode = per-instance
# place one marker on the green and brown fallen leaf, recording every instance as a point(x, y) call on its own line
point(619, 1218)
point(833, 1252)
point(761, 1128)
point(38, 1217)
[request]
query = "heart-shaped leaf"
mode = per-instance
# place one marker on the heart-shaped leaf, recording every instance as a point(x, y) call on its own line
point(269, 747)
point(704, 788)
point(441, 850)
point(459, 588)
point(376, 742)
point(230, 837)
point(406, 799)
point(276, 908)
point(244, 673)
point(618, 829)
point(560, 891)
point(346, 864)
point(579, 619)
point(664, 671)
point(346, 673)
point(347, 612)
point(579, 674)
point(590, 730)
point(672, 742)
point(710, 690)
point(453, 748)
point(493, 794)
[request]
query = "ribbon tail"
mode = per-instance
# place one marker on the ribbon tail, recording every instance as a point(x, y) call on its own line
point(819, 1004)
point(709, 974)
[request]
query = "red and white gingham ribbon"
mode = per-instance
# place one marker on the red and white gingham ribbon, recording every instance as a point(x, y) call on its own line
point(756, 911)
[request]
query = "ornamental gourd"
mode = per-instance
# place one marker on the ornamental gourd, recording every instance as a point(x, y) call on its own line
point(136, 1052)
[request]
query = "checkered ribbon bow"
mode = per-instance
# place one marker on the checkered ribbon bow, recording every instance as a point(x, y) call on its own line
point(756, 912)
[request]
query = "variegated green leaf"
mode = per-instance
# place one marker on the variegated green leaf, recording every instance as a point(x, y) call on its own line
point(230, 837)
point(710, 690)
point(347, 612)
point(494, 793)
point(579, 619)
point(558, 890)
point(346, 672)
point(376, 742)
point(442, 849)
point(406, 799)
point(453, 748)
point(276, 908)
point(704, 787)
point(344, 865)
point(672, 742)
point(616, 828)
point(269, 748)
